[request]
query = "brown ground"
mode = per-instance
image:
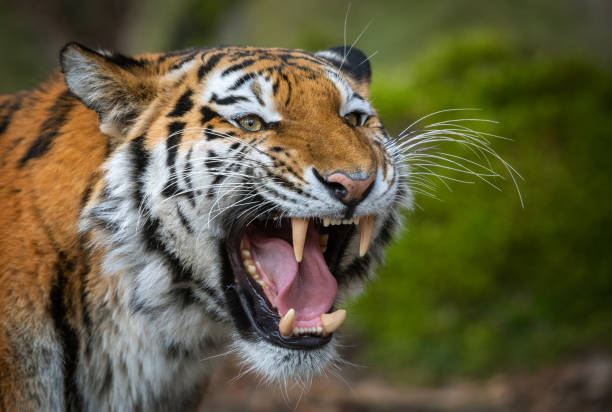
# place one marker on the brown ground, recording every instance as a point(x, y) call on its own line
point(582, 385)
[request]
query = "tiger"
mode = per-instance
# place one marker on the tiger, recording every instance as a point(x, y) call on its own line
point(160, 209)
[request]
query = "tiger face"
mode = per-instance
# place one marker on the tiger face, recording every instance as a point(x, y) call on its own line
point(247, 193)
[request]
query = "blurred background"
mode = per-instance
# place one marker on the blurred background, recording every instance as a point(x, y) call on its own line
point(483, 304)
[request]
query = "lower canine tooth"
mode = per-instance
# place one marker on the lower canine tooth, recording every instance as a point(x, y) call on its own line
point(285, 325)
point(299, 227)
point(332, 321)
point(366, 229)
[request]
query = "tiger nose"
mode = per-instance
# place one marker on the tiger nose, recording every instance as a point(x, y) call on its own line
point(348, 189)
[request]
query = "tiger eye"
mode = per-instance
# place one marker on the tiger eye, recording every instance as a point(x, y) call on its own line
point(352, 119)
point(251, 123)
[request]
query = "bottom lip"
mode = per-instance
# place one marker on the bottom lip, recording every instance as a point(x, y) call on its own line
point(261, 316)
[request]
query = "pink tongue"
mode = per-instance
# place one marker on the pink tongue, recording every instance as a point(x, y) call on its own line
point(308, 287)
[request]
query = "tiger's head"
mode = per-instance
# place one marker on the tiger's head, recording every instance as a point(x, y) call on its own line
point(253, 187)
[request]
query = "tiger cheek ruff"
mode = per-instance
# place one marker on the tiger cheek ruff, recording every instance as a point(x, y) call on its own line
point(162, 209)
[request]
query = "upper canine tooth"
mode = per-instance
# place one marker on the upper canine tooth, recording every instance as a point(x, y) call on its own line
point(299, 227)
point(285, 325)
point(366, 229)
point(332, 321)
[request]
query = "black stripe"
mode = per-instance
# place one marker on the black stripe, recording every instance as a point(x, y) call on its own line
point(66, 333)
point(229, 99)
point(184, 220)
point(209, 65)
point(181, 62)
point(216, 166)
point(187, 178)
point(212, 164)
point(123, 61)
point(207, 114)
point(178, 53)
point(210, 135)
point(290, 58)
point(280, 180)
point(239, 66)
point(213, 187)
point(140, 160)
point(175, 133)
point(289, 88)
point(50, 127)
point(183, 105)
point(6, 117)
point(241, 81)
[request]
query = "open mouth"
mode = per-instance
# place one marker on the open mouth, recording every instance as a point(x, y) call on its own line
point(284, 275)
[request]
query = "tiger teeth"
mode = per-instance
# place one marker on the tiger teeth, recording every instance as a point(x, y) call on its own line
point(332, 321)
point(285, 325)
point(366, 229)
point(315, 330)
point(250, 267)
point(328, 221)
point(299, 227)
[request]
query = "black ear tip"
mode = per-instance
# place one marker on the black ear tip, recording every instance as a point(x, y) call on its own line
point(352, 54)
point(351, 59)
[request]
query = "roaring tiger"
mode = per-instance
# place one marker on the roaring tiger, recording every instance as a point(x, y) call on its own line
point(157, 209)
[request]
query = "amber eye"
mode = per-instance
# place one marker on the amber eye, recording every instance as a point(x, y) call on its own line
point(251, 123)
point(353, 119)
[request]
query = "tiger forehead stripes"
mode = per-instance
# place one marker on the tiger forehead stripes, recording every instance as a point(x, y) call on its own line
point(161, 209)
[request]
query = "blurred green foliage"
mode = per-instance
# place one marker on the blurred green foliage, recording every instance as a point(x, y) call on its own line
point(477, 284)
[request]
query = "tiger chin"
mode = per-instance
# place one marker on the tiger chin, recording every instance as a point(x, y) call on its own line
point(161, 209)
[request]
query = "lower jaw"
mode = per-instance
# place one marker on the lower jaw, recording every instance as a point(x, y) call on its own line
point(254, 318)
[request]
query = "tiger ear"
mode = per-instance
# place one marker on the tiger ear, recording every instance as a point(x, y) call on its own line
point(117, 87)
point(351, 62)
